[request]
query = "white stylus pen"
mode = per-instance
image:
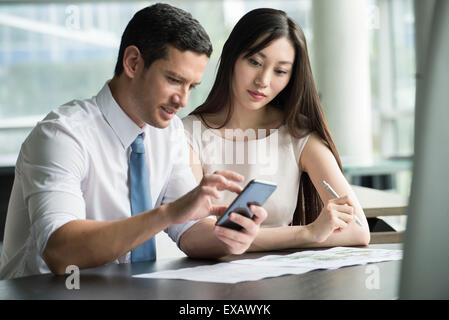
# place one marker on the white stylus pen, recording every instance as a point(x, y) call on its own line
point(328, 187)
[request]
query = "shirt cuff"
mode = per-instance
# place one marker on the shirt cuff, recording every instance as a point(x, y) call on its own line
point(51, 210)
point(175, 231)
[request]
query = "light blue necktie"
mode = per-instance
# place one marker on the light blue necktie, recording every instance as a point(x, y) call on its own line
point(140, 196)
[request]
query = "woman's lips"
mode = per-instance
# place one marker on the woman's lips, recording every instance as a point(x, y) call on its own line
point(256, 95)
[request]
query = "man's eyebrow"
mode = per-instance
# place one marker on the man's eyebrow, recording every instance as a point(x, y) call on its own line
point(175, 75)
point(280, 62)
point(179, 77)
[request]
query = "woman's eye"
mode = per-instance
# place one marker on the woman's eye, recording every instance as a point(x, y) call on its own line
point(254, 62)
point(281, 72)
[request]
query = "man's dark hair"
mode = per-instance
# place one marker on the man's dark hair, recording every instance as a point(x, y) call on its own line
point(155, 27)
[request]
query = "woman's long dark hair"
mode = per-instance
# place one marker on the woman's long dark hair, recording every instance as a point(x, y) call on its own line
point(299, 100)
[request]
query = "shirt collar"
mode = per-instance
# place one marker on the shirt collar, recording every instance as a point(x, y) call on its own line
point(122, 125)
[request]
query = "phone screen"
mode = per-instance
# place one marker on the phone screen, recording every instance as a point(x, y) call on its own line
point(256, 192)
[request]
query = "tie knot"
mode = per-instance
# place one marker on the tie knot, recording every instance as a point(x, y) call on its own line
point(137, 145)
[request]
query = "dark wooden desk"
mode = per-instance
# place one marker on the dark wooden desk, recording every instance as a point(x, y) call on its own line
point(116, 282)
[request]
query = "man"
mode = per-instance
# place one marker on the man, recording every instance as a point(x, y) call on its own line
point(97, 179)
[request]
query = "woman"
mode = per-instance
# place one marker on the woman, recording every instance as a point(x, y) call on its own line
point(263, 119)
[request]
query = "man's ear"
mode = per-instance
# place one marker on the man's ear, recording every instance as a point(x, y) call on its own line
point(131, 59)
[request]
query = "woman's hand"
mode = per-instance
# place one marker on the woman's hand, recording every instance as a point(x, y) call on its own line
point(237, 242)
point(335, 216)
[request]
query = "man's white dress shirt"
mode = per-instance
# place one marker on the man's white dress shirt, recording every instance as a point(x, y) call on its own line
point(75, 165)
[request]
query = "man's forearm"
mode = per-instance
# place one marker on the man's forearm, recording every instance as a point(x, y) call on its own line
point(88, 243)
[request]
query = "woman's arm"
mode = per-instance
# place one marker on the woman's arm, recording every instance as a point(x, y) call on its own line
point(320, 164)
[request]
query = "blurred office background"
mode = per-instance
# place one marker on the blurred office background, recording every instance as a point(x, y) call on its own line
point(362, 52)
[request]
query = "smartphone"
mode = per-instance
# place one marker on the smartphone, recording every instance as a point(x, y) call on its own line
point(256, 192)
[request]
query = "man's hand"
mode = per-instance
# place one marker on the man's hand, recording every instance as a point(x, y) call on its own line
point(197, 203)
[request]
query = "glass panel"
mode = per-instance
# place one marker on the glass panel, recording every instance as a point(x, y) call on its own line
point(53, 53)
point(404, 54)
point(393, 72)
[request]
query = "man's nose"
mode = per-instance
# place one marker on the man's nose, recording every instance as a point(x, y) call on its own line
point(181, 98)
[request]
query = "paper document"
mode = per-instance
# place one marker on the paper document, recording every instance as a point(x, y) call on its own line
point(278, 265)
